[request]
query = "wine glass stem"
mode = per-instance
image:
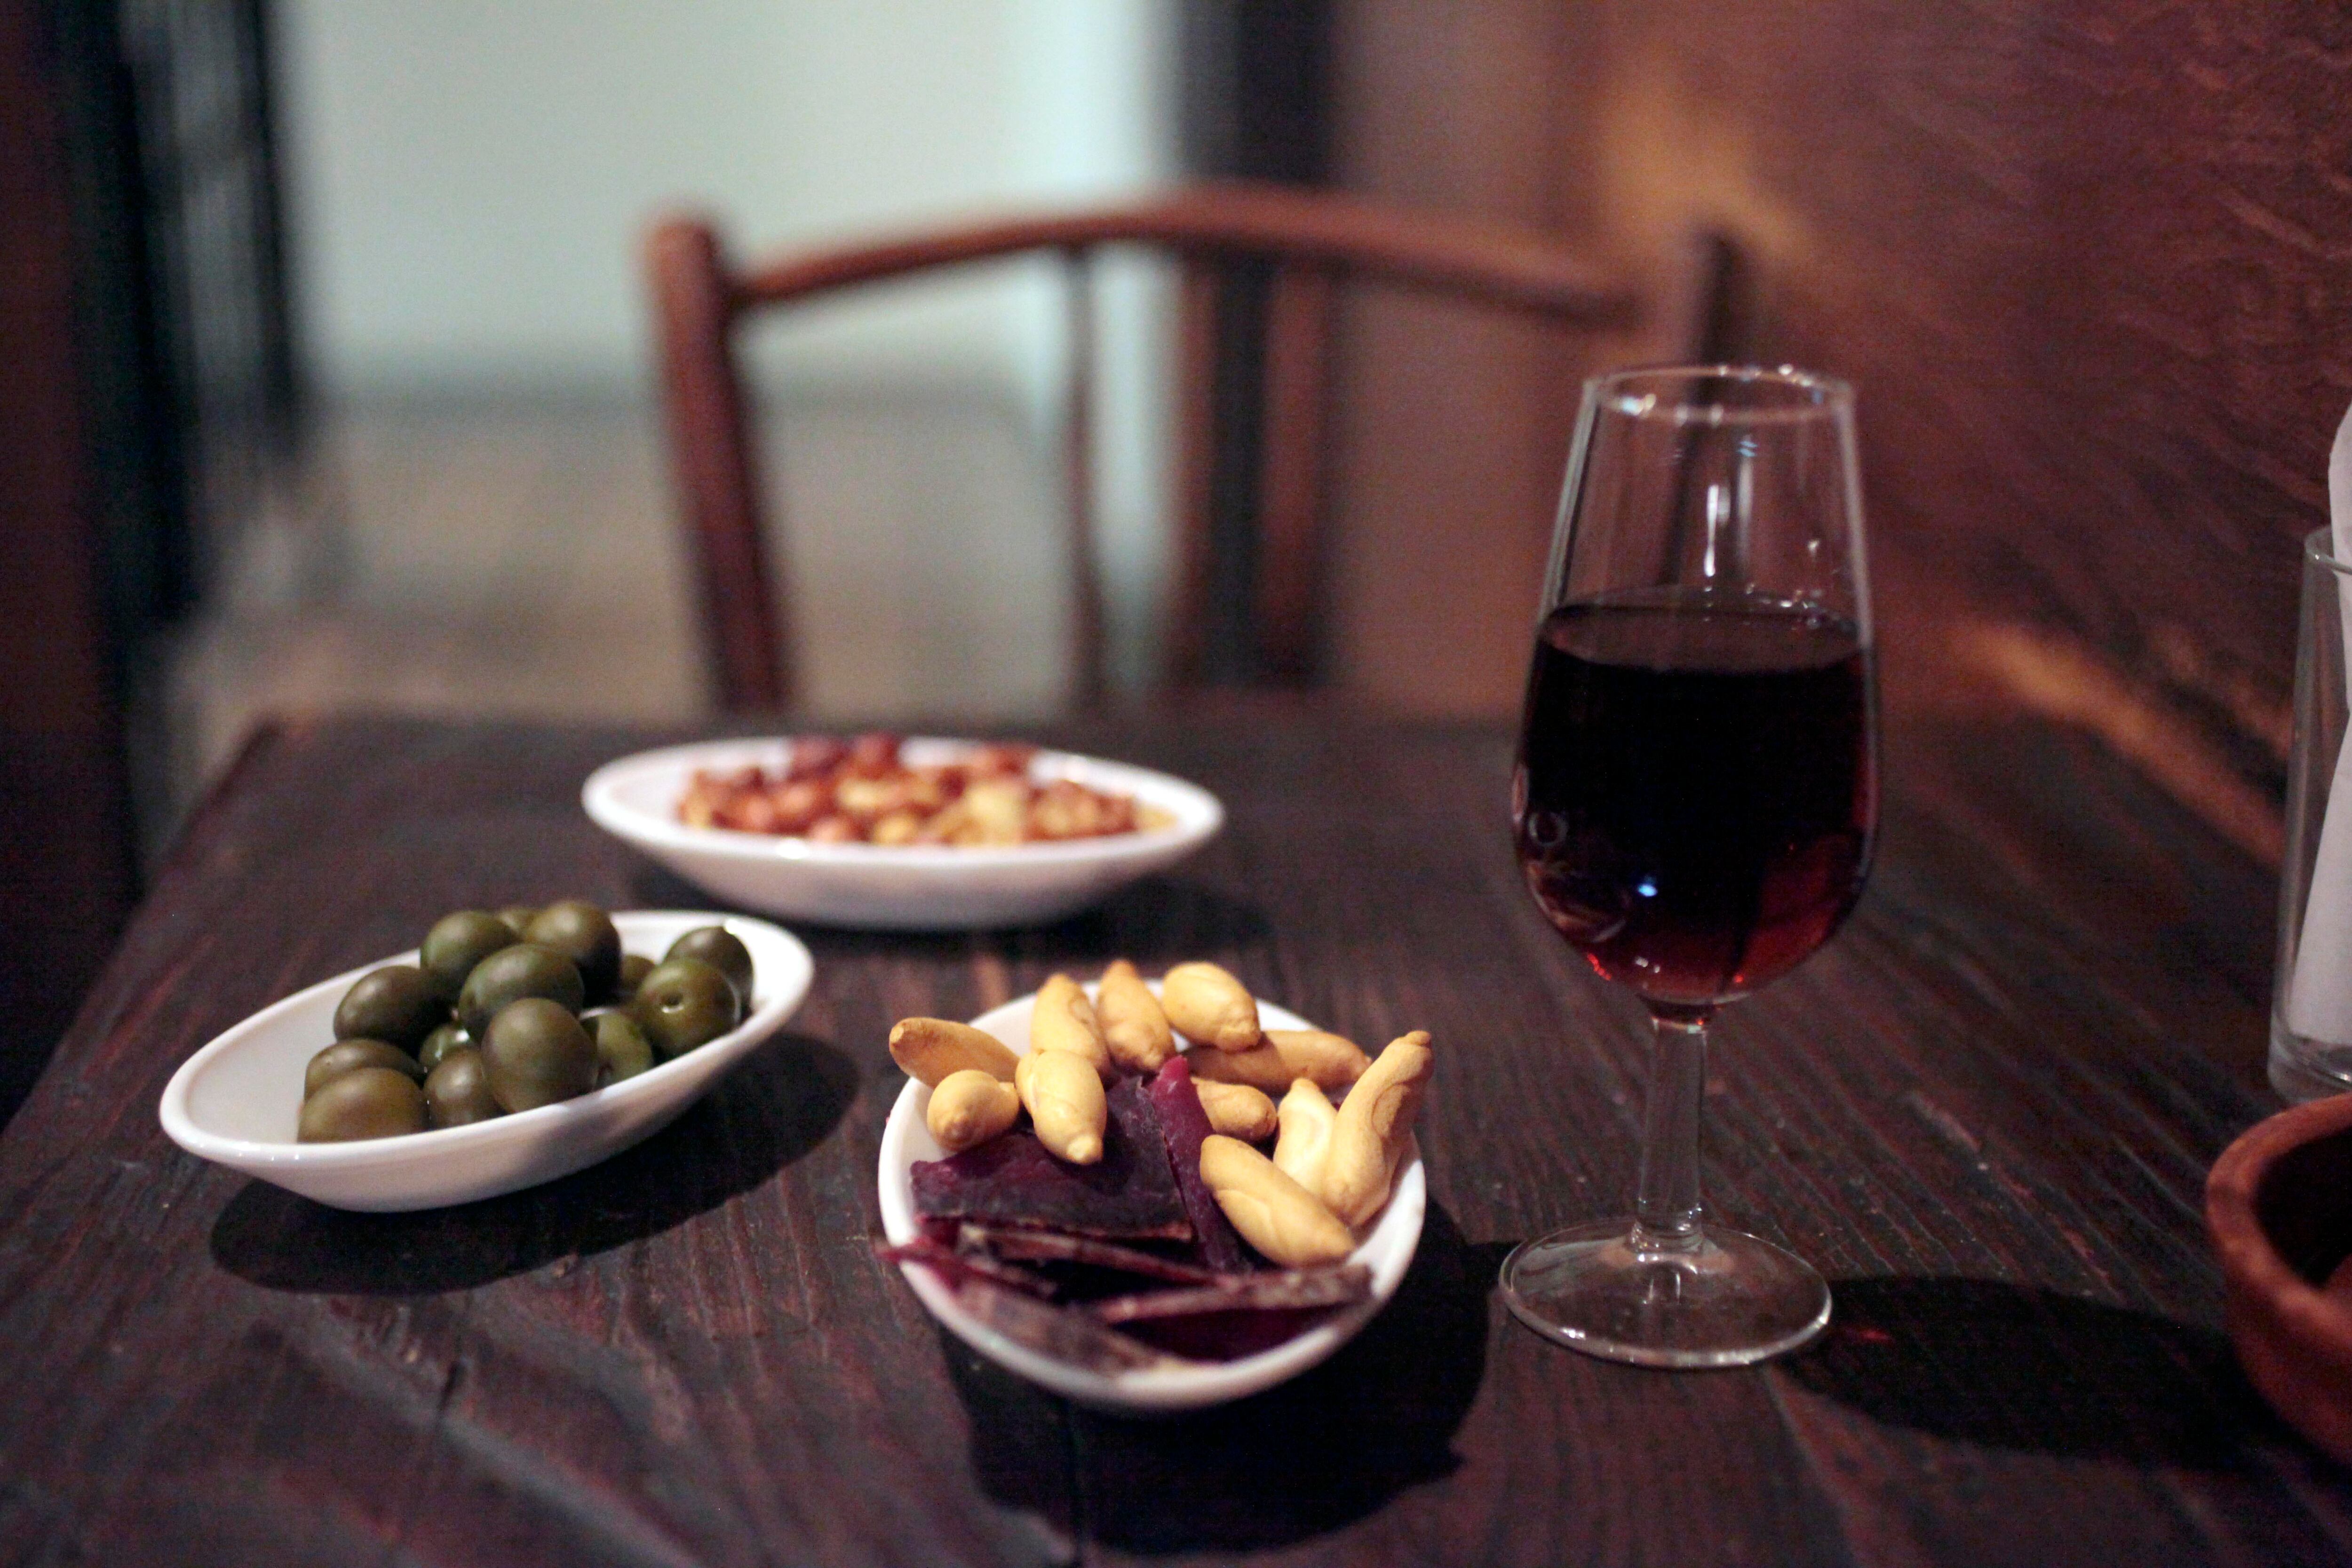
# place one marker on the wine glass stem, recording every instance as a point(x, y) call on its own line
point(1666, 1204)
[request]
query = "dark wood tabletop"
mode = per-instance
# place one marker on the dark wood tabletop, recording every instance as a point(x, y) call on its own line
point(1985, 1113)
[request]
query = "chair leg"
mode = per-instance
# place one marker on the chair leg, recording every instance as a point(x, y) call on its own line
point(1089, 677)
point(716, 475)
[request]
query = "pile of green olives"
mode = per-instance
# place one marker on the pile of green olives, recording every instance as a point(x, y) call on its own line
point(507, 1010)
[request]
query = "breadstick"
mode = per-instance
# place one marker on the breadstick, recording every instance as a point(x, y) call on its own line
point(1306, 1117)
point(1368, 1137)
point(1287, 1224)
point(930, 1048)
point(1133, 1025)
point(1237, 1111)
point(1065, 1097)
point(969, 1107)
point(1333, 1061)
point(1210, 1007)
point(1064, 1020)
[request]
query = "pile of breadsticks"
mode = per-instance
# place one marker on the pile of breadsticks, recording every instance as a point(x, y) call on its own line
point(1330, 1166)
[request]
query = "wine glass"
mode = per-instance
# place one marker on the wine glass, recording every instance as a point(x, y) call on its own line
point(1694, 800)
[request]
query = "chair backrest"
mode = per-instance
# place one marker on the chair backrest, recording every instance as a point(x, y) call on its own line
point(1303, 243)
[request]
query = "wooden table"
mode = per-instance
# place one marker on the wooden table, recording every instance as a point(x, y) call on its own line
point(1986, 1112)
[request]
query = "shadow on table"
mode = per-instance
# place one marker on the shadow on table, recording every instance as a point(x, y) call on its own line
point(1158, 919)
point(1315, 1453)
point(2013, 1367)
point(778, 1105)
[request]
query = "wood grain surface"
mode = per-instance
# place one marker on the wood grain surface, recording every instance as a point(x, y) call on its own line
point(2085, 263)
point(1985, 1112)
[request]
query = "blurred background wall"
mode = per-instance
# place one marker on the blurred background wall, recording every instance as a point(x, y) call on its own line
point(331, 386)
point(469, 179)
point(2087, 261)
point(482, 524)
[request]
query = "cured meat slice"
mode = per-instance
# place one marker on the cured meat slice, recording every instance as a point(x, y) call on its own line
point(1052, 1246)
point(1130, 1195)
point(1057, 1331)
point(955, 1267)
point(1287, 1290)
point(1222, 1336)
point(1184, 1124)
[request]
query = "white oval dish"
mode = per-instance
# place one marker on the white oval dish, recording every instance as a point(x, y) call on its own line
point(235, 1101)
point(1387, 1251)
point(901, 887)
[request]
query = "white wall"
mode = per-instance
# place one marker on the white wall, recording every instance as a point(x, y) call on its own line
point(471, 179)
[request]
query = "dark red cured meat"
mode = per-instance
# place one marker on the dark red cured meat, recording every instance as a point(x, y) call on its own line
point(1221, 1336)
point(1130, 1195)
point(1286, 1289)
point(956, 1267)
point(1053, 1247)
point(1058, 1332)
point(1184, 1124)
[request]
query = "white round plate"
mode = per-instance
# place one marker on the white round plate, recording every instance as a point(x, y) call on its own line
point(234, 1102)
point(1387, 1251)
point(895, 888)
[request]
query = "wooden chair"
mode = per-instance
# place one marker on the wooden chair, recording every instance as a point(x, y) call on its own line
point(1305, 241)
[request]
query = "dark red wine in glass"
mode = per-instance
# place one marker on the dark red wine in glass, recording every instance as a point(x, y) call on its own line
point(1694, 801)
point(1698, 789)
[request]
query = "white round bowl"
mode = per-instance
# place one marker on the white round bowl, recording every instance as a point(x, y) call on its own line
point(895, 888)
point(1387, 1251)
point(234, 1102)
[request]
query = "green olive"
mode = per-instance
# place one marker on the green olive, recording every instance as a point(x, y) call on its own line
point(458, 1090)
point(584, 934)
point(537, 1054)
point(634, 967)
point(512, 974)
point(440, 1043)
point(683, 1003)
point(519, 918)
point(724, 951)
point(366, 1102)
point(350, 1055)
point(395, 1005)
point(457, 943)
point(622, 1049)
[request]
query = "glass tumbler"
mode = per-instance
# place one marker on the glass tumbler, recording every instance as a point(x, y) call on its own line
point(2311, 998)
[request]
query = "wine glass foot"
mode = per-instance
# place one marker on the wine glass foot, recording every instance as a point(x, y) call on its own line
point(1726, 1299)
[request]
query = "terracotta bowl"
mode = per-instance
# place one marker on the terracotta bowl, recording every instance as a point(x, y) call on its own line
point(2279, 1206)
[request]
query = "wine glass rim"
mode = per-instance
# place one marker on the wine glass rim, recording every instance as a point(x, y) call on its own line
point(1677, 394)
